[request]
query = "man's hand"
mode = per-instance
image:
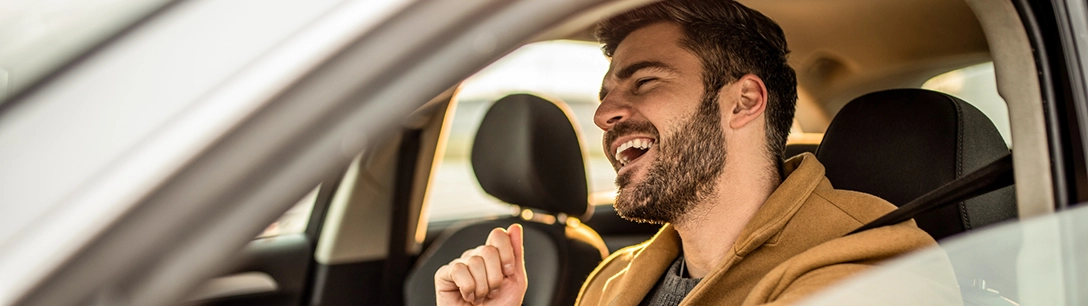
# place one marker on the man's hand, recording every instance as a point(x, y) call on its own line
point(491, 274)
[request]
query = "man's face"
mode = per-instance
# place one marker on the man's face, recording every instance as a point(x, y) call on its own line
point(663, 131)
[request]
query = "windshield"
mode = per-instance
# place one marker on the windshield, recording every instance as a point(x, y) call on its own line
point(40, 36)
point(1039, 261)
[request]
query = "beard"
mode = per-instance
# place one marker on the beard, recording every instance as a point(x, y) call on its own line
point(683, 173)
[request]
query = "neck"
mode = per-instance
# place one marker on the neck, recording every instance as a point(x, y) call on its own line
point(709, 232)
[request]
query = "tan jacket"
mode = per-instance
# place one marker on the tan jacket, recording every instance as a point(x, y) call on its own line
point(792, 247)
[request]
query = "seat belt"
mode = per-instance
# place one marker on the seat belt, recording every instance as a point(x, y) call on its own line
point(996, 175)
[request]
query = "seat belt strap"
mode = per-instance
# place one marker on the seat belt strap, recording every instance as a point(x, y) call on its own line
point(996, 175)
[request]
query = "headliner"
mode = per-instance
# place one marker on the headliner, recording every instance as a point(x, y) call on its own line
point(843, 49)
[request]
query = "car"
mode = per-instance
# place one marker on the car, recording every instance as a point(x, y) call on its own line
point(144, 144)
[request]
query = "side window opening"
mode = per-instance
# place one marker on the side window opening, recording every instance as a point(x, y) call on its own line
point(976, 85)
point(568, 71)
point(295, 220)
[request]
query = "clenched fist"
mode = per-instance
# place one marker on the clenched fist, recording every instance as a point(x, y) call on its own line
point(491, 274)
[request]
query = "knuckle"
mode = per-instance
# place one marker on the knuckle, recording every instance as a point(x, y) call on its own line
point(459, 266)
point(477, 260)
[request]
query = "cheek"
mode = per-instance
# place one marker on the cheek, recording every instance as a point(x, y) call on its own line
point(667, 108)
point(671, 119)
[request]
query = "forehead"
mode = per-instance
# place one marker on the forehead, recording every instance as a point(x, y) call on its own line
point(658, 42)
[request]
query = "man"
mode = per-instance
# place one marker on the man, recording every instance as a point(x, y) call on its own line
point(696, 107)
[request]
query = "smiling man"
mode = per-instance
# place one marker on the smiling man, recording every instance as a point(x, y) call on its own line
point(696, 107)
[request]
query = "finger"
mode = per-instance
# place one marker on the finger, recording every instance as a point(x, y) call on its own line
point(479, 274)
point(516, 234)
point(493, 266)
point(442, 280)
point(462, 277)
point(500, 239)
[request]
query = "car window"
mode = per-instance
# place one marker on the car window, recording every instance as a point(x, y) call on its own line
point(978, 86)
point(569, 71)
point(295, 220)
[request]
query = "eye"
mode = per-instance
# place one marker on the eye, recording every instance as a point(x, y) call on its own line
point(643, 81)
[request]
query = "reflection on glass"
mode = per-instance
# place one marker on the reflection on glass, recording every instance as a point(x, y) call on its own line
point(1040, 261)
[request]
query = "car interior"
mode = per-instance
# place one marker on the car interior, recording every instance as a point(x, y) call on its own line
point(368, 238)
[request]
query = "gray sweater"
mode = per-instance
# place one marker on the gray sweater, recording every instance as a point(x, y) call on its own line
point(671, 288)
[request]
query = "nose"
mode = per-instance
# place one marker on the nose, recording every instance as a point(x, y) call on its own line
point(611, 112)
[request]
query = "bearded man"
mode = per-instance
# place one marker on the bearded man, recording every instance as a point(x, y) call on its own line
point(696, 107)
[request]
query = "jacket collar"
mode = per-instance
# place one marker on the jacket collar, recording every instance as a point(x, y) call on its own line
point(803, 174)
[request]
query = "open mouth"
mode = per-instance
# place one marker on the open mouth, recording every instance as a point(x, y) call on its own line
point(631, 150)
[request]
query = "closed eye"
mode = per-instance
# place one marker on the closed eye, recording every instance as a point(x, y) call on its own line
point(643, 81)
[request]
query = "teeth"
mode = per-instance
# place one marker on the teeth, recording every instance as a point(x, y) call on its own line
point(641, 143)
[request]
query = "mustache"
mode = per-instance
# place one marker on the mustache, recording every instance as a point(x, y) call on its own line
point(627, 128)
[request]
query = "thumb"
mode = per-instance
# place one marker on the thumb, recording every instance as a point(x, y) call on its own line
point(516, 233)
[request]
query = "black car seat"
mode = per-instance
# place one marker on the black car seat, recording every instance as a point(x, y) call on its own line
point(794, 149)
point(527, 153)
point(900, 144)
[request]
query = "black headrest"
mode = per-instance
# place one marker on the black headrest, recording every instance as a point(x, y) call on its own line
point(527, 153)
point(798, 148)
point(900, 144)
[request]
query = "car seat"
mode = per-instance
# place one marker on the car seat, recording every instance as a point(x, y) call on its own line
point(900, 144)
point(798, 148)
point(526, 153)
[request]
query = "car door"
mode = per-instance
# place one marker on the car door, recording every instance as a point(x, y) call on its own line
point(1057, 30)
point(276, 267)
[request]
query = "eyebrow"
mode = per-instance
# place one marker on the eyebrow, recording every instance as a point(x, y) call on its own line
point(629, 70)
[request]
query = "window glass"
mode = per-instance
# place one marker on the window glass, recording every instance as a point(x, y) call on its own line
point(1036, 261)
point(568, 71)
point(293, 221)
point(978, 86)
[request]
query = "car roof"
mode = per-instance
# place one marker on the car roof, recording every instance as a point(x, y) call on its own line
point(843, 49)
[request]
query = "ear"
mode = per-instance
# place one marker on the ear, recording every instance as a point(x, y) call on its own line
point(750, 95)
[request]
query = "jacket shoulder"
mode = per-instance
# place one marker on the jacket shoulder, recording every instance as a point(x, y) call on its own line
point(860, 206)
point(595, 284)
point(829, 263)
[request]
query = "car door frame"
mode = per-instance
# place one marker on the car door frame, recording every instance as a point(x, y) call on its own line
point(303, 131)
